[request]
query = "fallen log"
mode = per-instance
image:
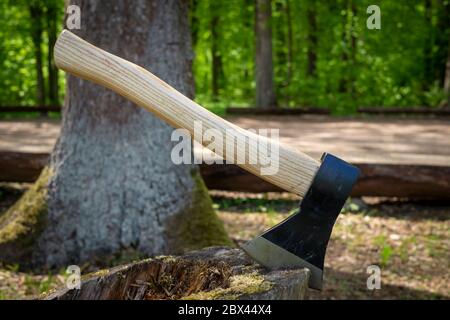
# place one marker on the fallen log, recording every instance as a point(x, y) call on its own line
point(414, 111)
point(214, 273)
point(21, 166)
point(25, 109)
point(276, 111)
point(382, 180)
point(405, 111)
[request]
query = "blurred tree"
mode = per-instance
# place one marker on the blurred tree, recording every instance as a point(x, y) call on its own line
point(28, 32)
point(447, 77)
point(349, 46)
point(312, 38)
point(52, 20)
point(290, 52)
point(443, 24)
point(265, 92)
point(216, 57)
point(111, 184)
point(194, 21)
point(36, 10)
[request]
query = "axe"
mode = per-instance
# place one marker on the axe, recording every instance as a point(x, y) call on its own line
point(300, 240)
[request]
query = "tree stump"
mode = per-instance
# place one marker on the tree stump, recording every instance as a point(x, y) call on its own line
point(208, 274)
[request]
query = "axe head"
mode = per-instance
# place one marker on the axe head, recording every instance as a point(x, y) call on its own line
point(301, 240)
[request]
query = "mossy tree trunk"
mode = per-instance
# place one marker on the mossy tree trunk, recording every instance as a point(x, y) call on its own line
point(111, 183)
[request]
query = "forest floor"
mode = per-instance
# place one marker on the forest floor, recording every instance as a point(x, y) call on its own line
point(379, 140)
point(410, 242)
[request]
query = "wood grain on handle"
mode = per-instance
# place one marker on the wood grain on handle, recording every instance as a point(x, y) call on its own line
point(78, 57)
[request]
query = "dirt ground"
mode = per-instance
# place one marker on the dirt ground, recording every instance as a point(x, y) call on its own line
point(361, 140)
point(410, 242)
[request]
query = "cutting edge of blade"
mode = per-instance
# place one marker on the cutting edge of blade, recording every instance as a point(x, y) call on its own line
point(274, 257)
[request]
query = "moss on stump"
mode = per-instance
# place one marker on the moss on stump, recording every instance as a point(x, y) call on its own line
point(21, 224)
point(198, 226)
point(208, 274)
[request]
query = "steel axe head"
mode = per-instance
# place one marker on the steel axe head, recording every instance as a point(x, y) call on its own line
point(301, 239)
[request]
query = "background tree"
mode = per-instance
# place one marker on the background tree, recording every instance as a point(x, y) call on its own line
point(36, 11)
point(111, 184)
point(216, 57)
point(447, 78)
point(28, 31)
point(265, 91)
point(312, 38)
point(52, 21)
point(289, 68)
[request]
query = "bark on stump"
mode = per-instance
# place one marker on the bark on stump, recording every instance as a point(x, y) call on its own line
point(209, 274)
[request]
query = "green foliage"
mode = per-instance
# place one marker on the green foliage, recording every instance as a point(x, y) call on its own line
point(401, 65)
point(18, 75)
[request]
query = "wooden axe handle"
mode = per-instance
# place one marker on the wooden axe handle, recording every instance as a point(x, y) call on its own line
point(72, 54)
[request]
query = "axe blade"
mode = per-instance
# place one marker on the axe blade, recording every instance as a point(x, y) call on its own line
point(301, 239)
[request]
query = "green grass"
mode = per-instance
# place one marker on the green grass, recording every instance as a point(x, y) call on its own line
point(262, 205)
point(386, 251)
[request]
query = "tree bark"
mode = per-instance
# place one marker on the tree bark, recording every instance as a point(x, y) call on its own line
point(444, 24)
point(349, 40)
point(428, 47)
point(216, 64)
point(343, 82)
point(312, 39)
point(289, 52)
point(36, 12)
point(265, 92)
point(194, 22)
point(53, 87)
point(354, 43)
point(447, 75)
point(111, 182)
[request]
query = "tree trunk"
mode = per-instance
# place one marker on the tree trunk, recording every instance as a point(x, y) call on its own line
point(36, 34)
point(111, 184)
point(289, 52)
point(444, 26)
point(52, 70)
point(265, 92)
point(348, 56)
point(343, 82)
point(247, 23)
point(354, 43)
point(194, 22)
point(312, 39)
point(447, 75)
point(216, 64)
point(428, 47)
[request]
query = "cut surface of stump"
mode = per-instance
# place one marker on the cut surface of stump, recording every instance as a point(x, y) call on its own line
point(211, 273)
